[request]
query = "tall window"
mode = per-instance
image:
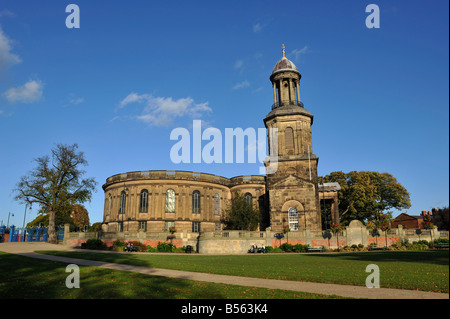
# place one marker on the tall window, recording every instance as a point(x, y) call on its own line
point(196, 202)
point(170, 201)
point(217, 204)
point(248, 198)
point(109, 203)
point(123, 199)
point(143, 207)
point(289, 137)
point(293, 218)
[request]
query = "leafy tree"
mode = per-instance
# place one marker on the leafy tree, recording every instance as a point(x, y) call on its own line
point(366, 194)
point(440, 218)
point(56, 183)
point(240, 215)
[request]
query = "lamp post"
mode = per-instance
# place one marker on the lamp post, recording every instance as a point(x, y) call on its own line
point(7, 225)
point(25, 214)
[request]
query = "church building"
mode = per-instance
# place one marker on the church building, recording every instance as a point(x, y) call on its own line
point(288, 196)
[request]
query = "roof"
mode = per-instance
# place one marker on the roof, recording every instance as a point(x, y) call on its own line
point(328, 187)
point(284, 65)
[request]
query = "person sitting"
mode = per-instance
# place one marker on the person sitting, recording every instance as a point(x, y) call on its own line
point(129, 247)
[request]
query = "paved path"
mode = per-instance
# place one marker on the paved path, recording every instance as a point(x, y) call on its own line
point(27, 249)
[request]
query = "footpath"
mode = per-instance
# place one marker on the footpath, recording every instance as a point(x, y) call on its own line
point(28, 250)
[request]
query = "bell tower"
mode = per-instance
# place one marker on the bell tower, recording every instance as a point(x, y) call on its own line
point(292, 186)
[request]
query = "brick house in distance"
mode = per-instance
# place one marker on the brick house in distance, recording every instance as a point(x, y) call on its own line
point(410, 221)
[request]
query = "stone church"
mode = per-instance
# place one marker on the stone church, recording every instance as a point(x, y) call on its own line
point(154, 201)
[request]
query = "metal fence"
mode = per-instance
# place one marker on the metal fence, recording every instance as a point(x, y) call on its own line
point(29, 234)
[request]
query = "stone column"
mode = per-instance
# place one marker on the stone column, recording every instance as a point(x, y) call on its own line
point(298, 92)
point(274, 93)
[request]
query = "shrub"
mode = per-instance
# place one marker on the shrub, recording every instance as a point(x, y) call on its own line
point(286, 247)
point(151, 249)
point(299, 248)
point(95, 244)
point(165, 247)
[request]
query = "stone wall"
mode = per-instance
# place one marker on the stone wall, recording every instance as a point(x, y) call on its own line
point(239, 242)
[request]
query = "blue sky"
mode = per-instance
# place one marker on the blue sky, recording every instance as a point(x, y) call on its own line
point(136, 70)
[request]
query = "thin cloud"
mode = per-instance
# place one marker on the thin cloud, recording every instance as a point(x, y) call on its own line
point(161, 111)
point(257, 27)
point(241, 85)
point(28, 93)
point(297, 52)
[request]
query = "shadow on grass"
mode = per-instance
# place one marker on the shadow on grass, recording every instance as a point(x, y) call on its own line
point(435, 257)
point(29, 278)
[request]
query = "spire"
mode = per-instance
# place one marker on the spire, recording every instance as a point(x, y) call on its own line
point(282, 46)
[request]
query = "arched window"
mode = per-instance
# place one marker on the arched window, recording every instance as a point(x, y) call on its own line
point(293, 218)
point(170, 201)
point(109, 203)
point(248, 198)
point(217, 204)
point(289, 138)
point(143, 207)
point(123, 199)
point(196, 202)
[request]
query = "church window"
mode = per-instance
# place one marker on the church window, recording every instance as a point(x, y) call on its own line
point(293, 218)
point(289, 137)
point(170, 201)
point(142, 225)
point(195, 227)
point(196, 202)
point(143, 207)
point(123, 199)
point(248, 199)
point(168, 224)
point(217, 204)
point(109, 203)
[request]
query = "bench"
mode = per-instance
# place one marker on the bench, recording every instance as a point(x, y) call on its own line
point(375, 247)
point(441, 245)
point(314, 249)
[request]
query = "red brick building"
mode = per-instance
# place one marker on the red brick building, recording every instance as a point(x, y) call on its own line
point(410, 221)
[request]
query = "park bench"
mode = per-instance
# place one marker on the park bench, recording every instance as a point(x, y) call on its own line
point(314, 249)
point(375, 247)
point(441, 245)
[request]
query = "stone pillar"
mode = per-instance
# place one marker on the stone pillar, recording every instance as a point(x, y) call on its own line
point(275, 93)
point(298, 92)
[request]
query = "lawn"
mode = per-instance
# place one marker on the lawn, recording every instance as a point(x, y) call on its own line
point(29, 278)
point(415, 270)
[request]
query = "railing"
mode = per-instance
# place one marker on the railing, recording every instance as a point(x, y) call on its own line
point(287, 103)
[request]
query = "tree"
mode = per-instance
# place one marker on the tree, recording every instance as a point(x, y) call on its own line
point(240, 215)
point(440, 218)
point(56, 183)
point(365, 194)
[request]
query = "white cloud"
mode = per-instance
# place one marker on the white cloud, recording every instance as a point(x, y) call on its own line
point(239, 64)
point(28, 93)
point(7, 59)
point(6, 13)
point(241, 85)
point(161, 111)
point(257, 27)
point(297, 52)
point(73, 99)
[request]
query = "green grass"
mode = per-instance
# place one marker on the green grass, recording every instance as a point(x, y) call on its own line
point(414, 270)
point(29, 278)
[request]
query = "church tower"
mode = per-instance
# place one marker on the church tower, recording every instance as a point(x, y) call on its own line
point(291, 169)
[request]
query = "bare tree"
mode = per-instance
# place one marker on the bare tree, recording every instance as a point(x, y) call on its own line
point(56, 182)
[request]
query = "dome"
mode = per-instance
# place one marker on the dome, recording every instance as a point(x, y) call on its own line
point(284, 65)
